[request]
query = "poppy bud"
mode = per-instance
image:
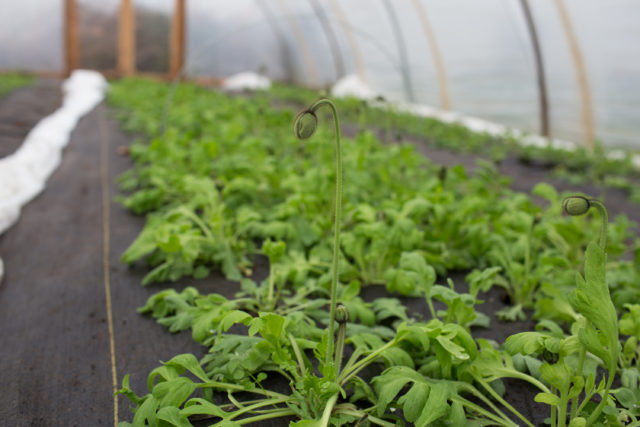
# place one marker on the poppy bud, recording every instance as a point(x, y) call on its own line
point(342, 314)
point(576, 205)
point(305, 124)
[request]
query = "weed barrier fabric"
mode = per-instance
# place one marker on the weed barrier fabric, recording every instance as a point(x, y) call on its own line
point(56, 357)
point(22, 108)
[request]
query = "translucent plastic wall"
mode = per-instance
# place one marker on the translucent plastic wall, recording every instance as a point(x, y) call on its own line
point(31, 35)
point(97, 33)
point(474, 57)
point(153, 23)
point(485, 49)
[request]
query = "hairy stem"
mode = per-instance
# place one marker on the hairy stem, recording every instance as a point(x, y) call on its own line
point(604, 217)
point(337, 225)
point(342, 334)
point(326, 415)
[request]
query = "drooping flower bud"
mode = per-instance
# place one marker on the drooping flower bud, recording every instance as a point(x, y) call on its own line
point(576, 205)
point(305, 124)
point(342, 314)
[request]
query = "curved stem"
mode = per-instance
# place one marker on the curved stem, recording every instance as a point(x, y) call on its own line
point(594, 415)
point(503, 402)
point(605, 221)
point(337, 224)
point(350, 371)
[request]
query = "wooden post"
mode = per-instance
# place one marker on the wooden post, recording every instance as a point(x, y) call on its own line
point(126, 39)
point(542, 85)
point(303, 45)
point(581, 75)
point(71, 45)
point(402, 51)
point(330, 36)
point(177, 41)
point(443, 87)
point(351, 39)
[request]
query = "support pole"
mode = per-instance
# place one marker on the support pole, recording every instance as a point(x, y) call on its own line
point(537, 55)
point(581, 74)
point(303, 45)
point(443, 87)
point(71, 41)
point(331, 38)
point(177, 42)
point(351, 39)
point(402, 51)
point(126, 39)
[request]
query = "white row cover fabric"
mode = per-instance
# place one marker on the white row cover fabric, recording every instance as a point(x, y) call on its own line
point(247, 80)
point(352, 86)
point(24, 173)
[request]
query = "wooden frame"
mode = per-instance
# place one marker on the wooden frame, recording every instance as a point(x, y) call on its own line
point(126, 39)
point(71, 41)
point(177, 39)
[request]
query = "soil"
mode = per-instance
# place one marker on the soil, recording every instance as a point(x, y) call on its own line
point(56, 353)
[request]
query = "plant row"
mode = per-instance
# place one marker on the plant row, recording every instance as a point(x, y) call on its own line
point(224, 181)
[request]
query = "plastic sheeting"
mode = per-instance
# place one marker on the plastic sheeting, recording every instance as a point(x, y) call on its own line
point(31, 35)
point(24, 173)
point(485, 47)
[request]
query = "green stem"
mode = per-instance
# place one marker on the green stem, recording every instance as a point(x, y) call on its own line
point(574, 401)
point(272, 282)
point(342, 334)
point(275, 414)
point(258, 405)
point(347, 373)
point(298, 354)
point(235, 387)
point(503, 402)
point(370, 418)
point(562, 408)
point(604, 216)
point(431, 309)
point(337, 224)
point(326, 415)
point(594, 415)
point(500, 420)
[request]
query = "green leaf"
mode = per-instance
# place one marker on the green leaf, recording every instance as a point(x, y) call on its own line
point(592, 300)
point(199, 406)
point(190, 363)
point(171, 415)
point(548, 398)
point(173, 392)
point(233, 317)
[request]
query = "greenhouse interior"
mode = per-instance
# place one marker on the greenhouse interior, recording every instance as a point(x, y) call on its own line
point(320, 213)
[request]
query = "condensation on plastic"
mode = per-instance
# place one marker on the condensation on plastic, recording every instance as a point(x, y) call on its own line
point(98, 33)
point(31, 35)
point(153, 26)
